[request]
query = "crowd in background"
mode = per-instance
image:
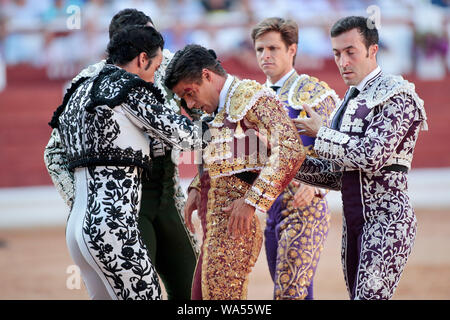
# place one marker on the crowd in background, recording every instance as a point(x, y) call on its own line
point(65, 35)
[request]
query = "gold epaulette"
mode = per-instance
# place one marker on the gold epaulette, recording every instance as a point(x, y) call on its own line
point(308, 90)
point(243, 97)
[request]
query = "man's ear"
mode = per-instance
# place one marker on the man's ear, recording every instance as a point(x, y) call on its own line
point(373, 49)
point(142, 59)
point(293, 48)
point(206, 74)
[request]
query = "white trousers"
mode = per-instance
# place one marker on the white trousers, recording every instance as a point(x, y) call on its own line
point(102, 235)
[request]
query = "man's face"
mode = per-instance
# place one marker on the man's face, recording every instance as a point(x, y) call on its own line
point(146, 71)
point(201, 95)
point(352, 57)
point(274, 58)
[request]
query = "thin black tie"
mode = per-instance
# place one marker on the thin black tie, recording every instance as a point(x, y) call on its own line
point(337, 119)
point(275, 88)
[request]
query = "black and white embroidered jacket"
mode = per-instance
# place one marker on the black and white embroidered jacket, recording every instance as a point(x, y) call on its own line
point(109, 119)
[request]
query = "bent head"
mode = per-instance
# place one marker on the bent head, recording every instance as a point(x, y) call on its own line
point(137, 49)
point(355, 45)
point(196, 76)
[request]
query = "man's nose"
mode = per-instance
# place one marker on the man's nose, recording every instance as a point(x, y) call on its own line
point(190, 103)
point(343, 61)
point(265, 54)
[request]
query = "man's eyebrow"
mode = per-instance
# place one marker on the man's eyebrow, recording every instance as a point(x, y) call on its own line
point(271, 46)
point(186, 90)
point(348, 47)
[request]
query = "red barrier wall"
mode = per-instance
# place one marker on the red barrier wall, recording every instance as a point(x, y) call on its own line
point(28, 102)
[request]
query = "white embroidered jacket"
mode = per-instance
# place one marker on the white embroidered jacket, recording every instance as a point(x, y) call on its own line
point(379, 128)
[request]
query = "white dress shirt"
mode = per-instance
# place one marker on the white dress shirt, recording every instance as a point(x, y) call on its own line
point(224, 91)
point(280, 82)
point(369, 77)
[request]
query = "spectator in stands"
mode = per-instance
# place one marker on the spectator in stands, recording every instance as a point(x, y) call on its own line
point(24, 42)
point(2, 59)
point(61, 54)
point(217, 5)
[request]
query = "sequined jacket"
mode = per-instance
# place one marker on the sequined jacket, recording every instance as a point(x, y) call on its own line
point(107, 120)
point(55, 157)
point(379, 129)
point(299, 90)
point(253, 133)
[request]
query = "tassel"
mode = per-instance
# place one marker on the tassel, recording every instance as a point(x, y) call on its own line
point(302, 115)
point(239, 133)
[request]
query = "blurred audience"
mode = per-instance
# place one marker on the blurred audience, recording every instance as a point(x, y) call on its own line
point(2, 52)
point(42, 32)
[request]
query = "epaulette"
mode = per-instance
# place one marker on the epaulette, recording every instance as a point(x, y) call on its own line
point(241, 97)
point(385, 87)
point(112, 86)
point(308, 90)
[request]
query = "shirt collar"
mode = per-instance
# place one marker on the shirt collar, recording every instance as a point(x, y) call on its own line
point(224, 91)
point(280, 82)
point(369, 77)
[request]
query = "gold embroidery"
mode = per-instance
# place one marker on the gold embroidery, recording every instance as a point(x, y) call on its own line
point(303, 89)
point(195, 184)
point(241, 101)
point(218, 119)
point(227, 262)
point(301, 234)
point(239, 133)
point(286, 149)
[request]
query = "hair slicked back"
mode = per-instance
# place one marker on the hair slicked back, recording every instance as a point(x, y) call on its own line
point(127, 17)
point(288, 30)
point(130, 41)
point(364, 26)
point(188, 64)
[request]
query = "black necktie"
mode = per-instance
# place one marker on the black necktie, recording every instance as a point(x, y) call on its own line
point(275, 88)
point(337, 119)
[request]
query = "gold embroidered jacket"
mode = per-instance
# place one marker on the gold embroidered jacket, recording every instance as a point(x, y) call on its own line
point(254, 133)
point(299, 90)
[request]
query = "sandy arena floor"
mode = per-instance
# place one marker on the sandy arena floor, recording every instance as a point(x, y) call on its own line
point(34, 264)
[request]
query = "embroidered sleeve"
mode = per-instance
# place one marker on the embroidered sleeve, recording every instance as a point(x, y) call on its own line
point(90, 71)
point(162, 122)
point(385, 132)
point(325, 108)
point(56, 164)
point(320, 192)
point(319, 173)
point(326, 179)
point(286, 152)
point(157, 145)
point(195, 184)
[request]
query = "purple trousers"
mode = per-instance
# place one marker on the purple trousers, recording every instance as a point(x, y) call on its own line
point(294, 239)
point(379, 231)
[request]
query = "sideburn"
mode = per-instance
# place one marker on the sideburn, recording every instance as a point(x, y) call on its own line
point(148, 65)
